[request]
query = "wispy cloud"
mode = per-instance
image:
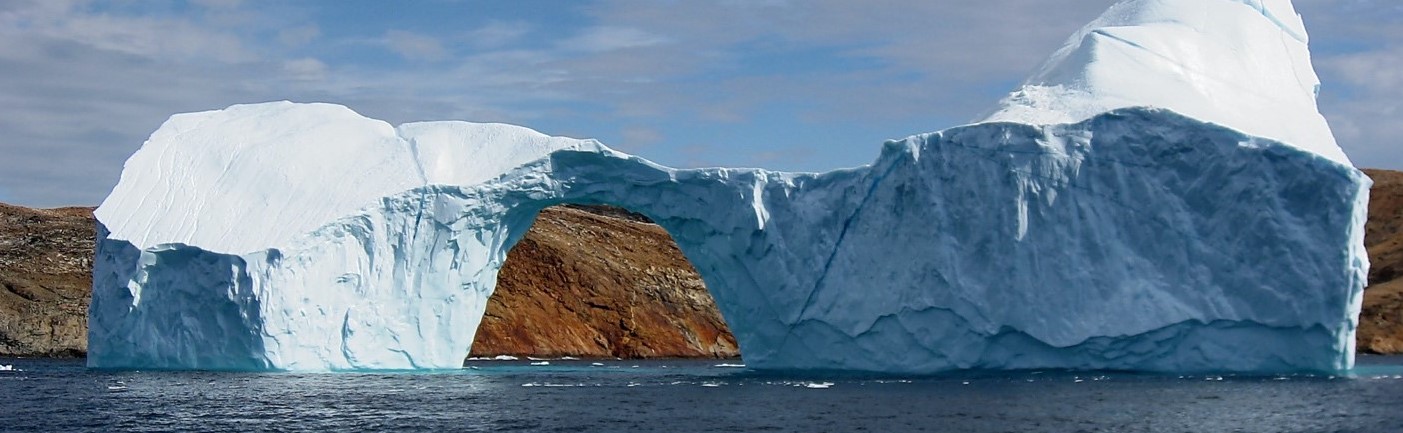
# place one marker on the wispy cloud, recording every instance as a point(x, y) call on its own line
point(1365, 104)
point(305, 69)
point(1356, 45)
point(82, 88)
point(608, 38)
point(637, 138)
point(415, 46)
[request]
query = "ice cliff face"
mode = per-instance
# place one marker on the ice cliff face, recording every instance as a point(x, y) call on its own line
point(1073, 229)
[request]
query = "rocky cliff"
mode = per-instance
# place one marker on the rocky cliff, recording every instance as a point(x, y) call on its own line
point(45, 280)
point(585, 281)
point(1381, 321)
point(585, 284)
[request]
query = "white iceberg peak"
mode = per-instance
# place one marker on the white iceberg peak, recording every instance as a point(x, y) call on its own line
point(258, 174)
point(1243, 64)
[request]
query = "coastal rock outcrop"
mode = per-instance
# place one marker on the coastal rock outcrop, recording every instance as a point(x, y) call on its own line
point(45, 279)
point(1381, 319)
point(585, 284)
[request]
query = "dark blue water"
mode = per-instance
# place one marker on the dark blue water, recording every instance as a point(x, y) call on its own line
point(575, 396)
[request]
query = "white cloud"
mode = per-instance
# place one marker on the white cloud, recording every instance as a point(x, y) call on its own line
point(305, 69)
point(607, 38)
point(1377, 71)
point(1365, 103)
point(414, 46)
point(638, 137)
point(148, 37)
point(82, 89)
point(1358, 50)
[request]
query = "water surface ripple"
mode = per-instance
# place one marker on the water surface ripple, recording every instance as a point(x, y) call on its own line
point(578, 396)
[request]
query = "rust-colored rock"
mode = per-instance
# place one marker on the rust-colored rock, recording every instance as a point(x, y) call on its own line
point(584, 284)
point(1381, 320)
point(45, 280)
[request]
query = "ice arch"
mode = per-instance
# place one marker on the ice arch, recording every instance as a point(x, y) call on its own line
point(1071, 229)
point(1139, 239)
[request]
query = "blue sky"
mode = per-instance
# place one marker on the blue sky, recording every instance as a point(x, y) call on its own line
point(782, 84)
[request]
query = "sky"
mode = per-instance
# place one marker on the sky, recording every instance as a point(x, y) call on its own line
point(794, 85)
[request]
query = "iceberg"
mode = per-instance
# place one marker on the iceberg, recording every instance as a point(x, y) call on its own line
point(1162, 196)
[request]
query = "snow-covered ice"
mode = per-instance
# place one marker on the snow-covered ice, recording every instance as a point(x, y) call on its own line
point(1163, 195)
point(1243, 64)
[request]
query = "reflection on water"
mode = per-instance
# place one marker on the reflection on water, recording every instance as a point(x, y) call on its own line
point(611, 395)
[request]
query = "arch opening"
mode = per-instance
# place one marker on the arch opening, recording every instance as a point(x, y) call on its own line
point(597, 281)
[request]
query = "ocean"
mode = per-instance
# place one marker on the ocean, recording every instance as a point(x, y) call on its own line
point(48, 395)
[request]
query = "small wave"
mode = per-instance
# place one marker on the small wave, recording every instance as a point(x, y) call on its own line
point(729, 366)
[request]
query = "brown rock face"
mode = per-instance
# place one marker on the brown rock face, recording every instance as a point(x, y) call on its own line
point(45, 280)
point(1381, 321)
point(584, 284)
